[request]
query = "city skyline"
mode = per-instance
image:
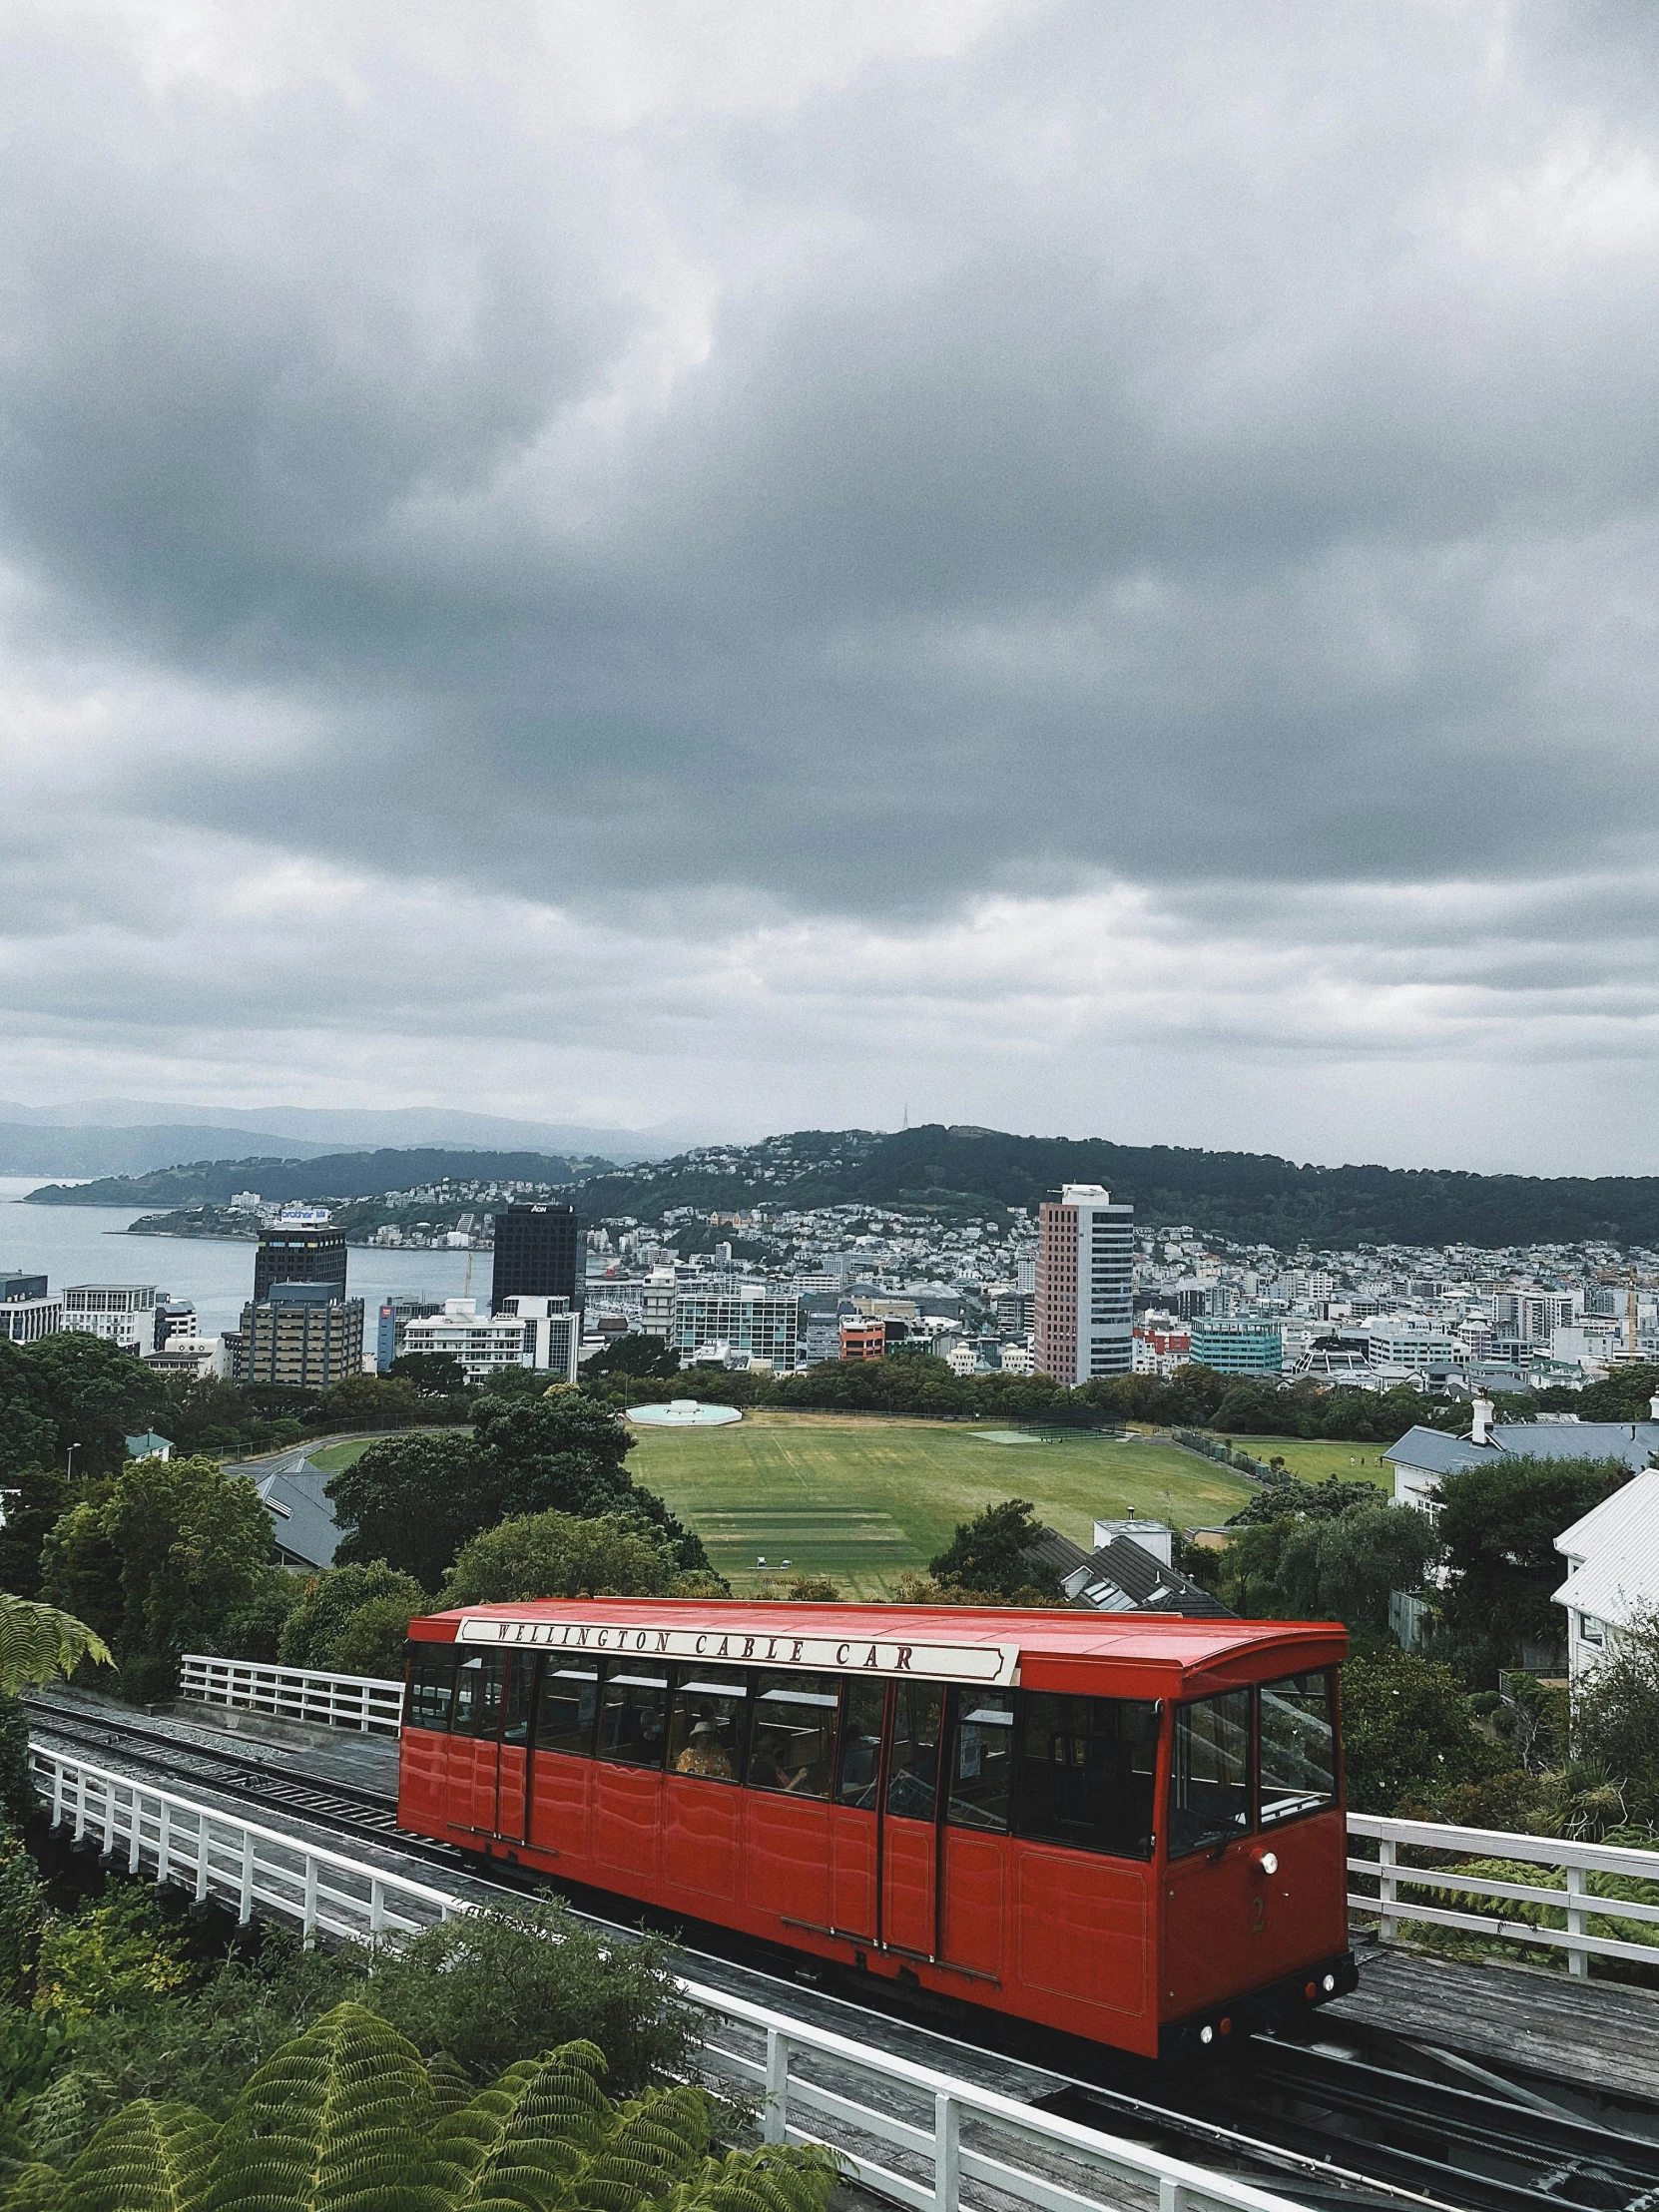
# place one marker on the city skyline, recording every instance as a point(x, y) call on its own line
point(1082, 572)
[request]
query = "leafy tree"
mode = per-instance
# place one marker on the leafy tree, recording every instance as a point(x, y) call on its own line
point(564, 1452)
point(989, 1555)
point(28, 1433)
point(369, 1401)
point(80, 1568)
point(643, 1358)
point(413, 1502)
point(1286, 1498)
point(95, 1396)
point(352, 1620)
point(1626, 1395)
point(1407, 1731)
point(1498, 1522)
point(1615, 1717)
point(558, 1555)
point(433, 1374)
point(253, 1629)
point(191, 1545)
point(1345, 1569)
point(33, 1501)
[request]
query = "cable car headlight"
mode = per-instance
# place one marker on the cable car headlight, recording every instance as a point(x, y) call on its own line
point(1268, 1861)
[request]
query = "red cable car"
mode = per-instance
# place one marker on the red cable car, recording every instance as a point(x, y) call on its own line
point(1126, 1826)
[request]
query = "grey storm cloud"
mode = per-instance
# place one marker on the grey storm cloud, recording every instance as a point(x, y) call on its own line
point(972, 452)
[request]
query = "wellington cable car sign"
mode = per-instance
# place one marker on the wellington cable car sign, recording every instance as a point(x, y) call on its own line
point(987, 1663)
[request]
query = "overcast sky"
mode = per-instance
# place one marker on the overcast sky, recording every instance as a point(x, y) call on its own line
point(1089, 568)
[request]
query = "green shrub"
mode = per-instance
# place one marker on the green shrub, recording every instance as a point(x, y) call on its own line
point(489, 1987)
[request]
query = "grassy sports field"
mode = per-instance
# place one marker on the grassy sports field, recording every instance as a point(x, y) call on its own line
point(1314, 1458)
point(863, 1497)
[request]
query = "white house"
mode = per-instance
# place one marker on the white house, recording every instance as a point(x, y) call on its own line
point(1423, 1456)
point(1612, 1552)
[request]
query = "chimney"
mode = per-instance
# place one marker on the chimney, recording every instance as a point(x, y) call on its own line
point(1482, 1434)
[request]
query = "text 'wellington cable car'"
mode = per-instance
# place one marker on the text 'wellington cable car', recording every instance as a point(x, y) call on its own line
point(1126, 1826)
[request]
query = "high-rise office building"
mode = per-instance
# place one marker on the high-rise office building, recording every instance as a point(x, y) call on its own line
point(302, 1247)
point(1085, 1286)
point(301, 1334)
point(539, 1253)
point(121, 1312)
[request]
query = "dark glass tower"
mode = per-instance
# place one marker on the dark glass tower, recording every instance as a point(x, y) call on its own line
point(299, 1253)
point(538, 1254)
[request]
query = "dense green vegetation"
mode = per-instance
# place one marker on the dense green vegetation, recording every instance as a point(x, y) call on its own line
point(1244, 1195)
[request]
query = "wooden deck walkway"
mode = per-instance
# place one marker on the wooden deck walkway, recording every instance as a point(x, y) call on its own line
point(1601, 2033)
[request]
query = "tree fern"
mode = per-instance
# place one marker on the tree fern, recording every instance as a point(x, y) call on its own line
point(38, 1642)
point(654, 2144)
point(519, 2142)
point(452, 2086)
point(335, 2121)
point(776, 2178)
point(145, 2158)
point(34, 2189)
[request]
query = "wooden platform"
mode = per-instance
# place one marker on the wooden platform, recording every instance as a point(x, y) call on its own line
point(1601, 2033)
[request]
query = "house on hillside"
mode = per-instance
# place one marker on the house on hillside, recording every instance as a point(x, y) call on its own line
point(1423, 1456)
point(1612, 1552)
point(1125, 1574)
point(295, 1496)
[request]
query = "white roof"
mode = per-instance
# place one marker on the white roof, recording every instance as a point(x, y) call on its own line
point(1619, 1541)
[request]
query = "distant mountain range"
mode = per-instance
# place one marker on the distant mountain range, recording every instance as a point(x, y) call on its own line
point(1247, 1197)
point(333, 1175)
point(109, 1136)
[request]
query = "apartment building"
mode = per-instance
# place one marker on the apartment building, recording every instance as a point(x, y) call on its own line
point(1085, 1285)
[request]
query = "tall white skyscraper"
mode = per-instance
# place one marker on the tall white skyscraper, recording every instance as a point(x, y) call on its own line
point(1085, 1284)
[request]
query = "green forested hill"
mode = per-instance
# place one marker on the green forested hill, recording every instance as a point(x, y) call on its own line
point(1248, 1196)
point(334, 1175)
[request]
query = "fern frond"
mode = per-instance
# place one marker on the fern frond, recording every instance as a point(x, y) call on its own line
point(453, 2088)
point(656, 2142)
point(62, 2119)
point(145, 2158)
point(335, 2122)
point(776, 2178)
point(519, 2141)
point(37, 1643)
point(34, 2189)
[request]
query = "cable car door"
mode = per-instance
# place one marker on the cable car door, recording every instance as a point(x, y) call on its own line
point(909, 1821)
point(512, 1803)
point(474, 1747)
point(855, 1821)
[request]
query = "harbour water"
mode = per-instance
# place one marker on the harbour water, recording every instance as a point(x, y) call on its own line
point(88, 1244)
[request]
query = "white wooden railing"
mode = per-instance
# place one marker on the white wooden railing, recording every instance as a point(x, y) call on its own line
point(217, 1854)
point(1388, 1903)
point(908, 2134)
point(362, 1702)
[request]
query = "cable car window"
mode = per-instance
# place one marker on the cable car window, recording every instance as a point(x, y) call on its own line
point(912, 1779)
point(515, 1712)
point(863, 1709)
point(981, 1769)
point(478, 1688)
point(1298, 1748)
point(1209, 1784)
point(565, 1711)
point(633, 1712)
point(795, 1733)
point(431, 1686)
point(1087, 1772)
point(708, 1726)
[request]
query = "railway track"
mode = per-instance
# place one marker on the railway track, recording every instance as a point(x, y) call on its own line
point(1342, 2116)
